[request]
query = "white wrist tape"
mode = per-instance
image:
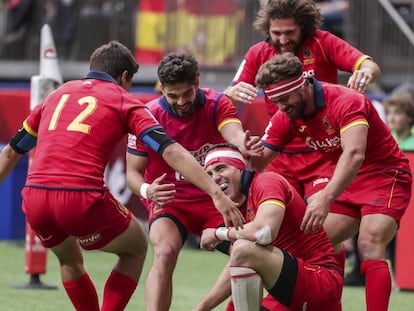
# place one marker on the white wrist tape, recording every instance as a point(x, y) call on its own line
point(222, 234)
point(143, 190)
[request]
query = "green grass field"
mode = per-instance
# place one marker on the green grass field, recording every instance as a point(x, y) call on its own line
point(195, 273)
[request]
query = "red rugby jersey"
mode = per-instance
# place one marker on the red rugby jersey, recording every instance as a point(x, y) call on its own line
point(78, 126)
point(195, 133)
point(272, 188)
point(339, 109)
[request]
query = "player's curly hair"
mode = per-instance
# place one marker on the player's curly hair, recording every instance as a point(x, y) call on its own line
point(114, 58)
point(178, 68)
point(279, 67)
point(304, 12)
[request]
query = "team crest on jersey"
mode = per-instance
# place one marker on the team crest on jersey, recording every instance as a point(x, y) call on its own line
point(308, 58)
point(327, 126)
point(250, 213)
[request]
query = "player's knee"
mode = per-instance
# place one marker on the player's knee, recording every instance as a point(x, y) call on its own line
point(242, 252)
point(370, 248)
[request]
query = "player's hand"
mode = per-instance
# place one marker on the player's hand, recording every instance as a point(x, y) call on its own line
point(208, 240)
point(229, 210)
point(161, 193)
point(241, 93)
point(359, 80)
point(252, 146)
point(316, 212)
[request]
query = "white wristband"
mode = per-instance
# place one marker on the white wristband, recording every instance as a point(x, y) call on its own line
point(222, 234)
point(143, 190)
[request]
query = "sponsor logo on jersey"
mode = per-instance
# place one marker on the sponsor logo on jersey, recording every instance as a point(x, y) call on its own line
point(199, 155)
point(328, 144)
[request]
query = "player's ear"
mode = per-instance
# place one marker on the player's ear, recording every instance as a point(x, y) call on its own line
point(125, 76)
point(124, 80)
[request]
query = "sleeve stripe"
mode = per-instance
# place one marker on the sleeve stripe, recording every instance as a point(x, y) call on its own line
point(29, 129)
point(225, 122)
point(357, 122)
point(359, 62)
point(273, 202)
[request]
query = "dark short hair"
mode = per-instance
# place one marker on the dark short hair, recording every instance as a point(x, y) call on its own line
point(178, 68)
point(114, 58)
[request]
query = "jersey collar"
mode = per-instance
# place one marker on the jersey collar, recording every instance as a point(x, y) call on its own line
point(317, 93)
point(100, 75)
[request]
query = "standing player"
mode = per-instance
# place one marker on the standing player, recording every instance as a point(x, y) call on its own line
point(292, 26)
point(196, 118)
point(371, 183)
point(298, 270)
point(75, 130)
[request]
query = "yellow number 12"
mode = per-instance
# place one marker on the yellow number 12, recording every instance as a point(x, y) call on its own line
point(76, 124)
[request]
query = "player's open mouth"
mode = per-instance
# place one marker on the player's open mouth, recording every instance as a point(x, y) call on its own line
point(223, 186)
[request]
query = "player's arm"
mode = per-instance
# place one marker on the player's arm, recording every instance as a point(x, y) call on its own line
point(367, 72)
point(250, 146)
point(8, 159)
point(260, 162)
point(22, 142)
point(219, 292)
point(262, 230)
point(183, 162)
point(371, 68)
point(353, 142)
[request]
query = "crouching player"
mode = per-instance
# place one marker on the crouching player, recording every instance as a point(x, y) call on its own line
point(299, 270)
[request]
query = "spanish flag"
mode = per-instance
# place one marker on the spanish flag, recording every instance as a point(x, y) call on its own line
point(206, 29)
point(150, 32)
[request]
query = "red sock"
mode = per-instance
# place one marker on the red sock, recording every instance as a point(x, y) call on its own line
point(230, 306)
point(117, 292)
point(340, 257)
point(377, 284)
point(82, 293)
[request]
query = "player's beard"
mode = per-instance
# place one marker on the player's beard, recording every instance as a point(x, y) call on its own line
point(184, 113)
point(299, 110)
point(292, 48)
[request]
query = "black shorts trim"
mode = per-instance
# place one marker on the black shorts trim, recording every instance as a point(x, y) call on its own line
point(282, 291)
point(183, 231)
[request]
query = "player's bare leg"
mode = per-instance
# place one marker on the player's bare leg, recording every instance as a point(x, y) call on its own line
point(75, 280)
point(167, 243)
point(131, 248)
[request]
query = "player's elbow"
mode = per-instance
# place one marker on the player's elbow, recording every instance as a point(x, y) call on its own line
point(357, 157)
